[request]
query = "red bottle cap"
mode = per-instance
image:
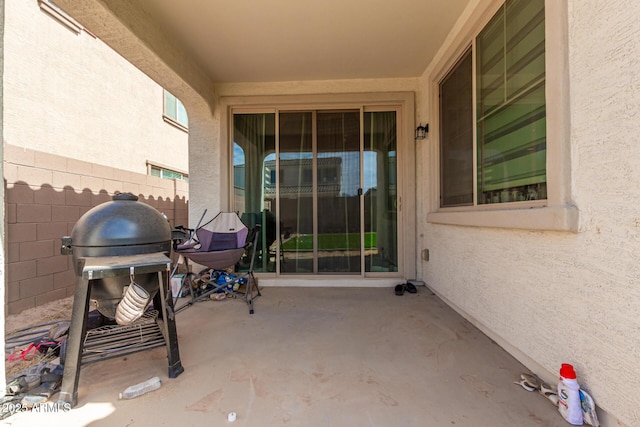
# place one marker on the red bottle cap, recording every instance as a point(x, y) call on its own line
point(567, 372)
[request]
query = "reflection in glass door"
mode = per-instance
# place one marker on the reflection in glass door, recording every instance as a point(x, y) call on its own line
point(254, 141)
point(324, 190)
point(380, 191)
point(295, 177)
point(338, 188)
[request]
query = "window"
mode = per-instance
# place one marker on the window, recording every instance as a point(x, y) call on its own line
point(456, 135)
point(165, 173)
point(507, 109)
point(174, 111)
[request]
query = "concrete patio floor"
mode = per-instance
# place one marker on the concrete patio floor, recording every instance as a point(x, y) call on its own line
point(314, 357)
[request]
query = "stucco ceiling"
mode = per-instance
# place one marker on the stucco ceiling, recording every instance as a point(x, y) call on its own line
point(291, 40)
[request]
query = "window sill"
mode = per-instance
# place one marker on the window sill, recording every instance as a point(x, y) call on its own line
point(175, 124)
point(555, 218)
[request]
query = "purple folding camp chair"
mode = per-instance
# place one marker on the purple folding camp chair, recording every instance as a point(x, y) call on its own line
point(219, 245)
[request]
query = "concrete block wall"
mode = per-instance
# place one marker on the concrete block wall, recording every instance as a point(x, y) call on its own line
point(45, 195)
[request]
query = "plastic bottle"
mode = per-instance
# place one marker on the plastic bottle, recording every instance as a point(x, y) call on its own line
point(142, 388)
point(569, 396)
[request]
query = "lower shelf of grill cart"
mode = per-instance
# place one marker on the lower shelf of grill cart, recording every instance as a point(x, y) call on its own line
point(111, 341)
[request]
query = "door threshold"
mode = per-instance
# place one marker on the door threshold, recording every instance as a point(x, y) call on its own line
point(331, 281)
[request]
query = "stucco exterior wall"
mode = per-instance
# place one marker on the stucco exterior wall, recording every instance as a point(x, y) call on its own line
point(79, 124)
point(554, 297)
point(69, 94)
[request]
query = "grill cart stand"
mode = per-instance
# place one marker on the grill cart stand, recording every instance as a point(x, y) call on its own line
point(163, 332)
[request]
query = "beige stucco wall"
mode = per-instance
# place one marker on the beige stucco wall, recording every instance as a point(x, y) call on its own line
point(79, 124)
point(551, 297)
point(70, 94)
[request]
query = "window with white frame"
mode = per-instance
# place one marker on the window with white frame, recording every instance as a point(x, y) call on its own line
point(498, 129)
point(166, 173)
point(174, 111)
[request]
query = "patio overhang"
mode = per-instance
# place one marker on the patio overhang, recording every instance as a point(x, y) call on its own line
point(191, 46)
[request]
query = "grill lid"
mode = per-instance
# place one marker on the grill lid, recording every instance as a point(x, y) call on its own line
point(121, 222)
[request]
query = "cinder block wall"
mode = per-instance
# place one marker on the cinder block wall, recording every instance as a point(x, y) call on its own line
point(45, 195)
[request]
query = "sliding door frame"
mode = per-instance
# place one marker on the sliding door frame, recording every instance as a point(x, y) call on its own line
point(402, 102)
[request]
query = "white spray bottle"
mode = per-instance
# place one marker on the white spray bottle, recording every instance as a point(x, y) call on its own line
point(569, 396)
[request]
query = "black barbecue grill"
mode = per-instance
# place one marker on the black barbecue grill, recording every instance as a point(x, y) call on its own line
point(118, 245)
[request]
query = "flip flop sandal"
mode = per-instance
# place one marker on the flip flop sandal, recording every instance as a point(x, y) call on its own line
point(399, 289)
point(529, 382)
point(411, 288)
point(524, 385)
point(547, 391)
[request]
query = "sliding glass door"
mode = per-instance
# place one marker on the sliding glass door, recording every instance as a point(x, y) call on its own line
point(380, 191)
point(323, 184)
point(254, 144)
point(296, 193)
point(338, 192)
